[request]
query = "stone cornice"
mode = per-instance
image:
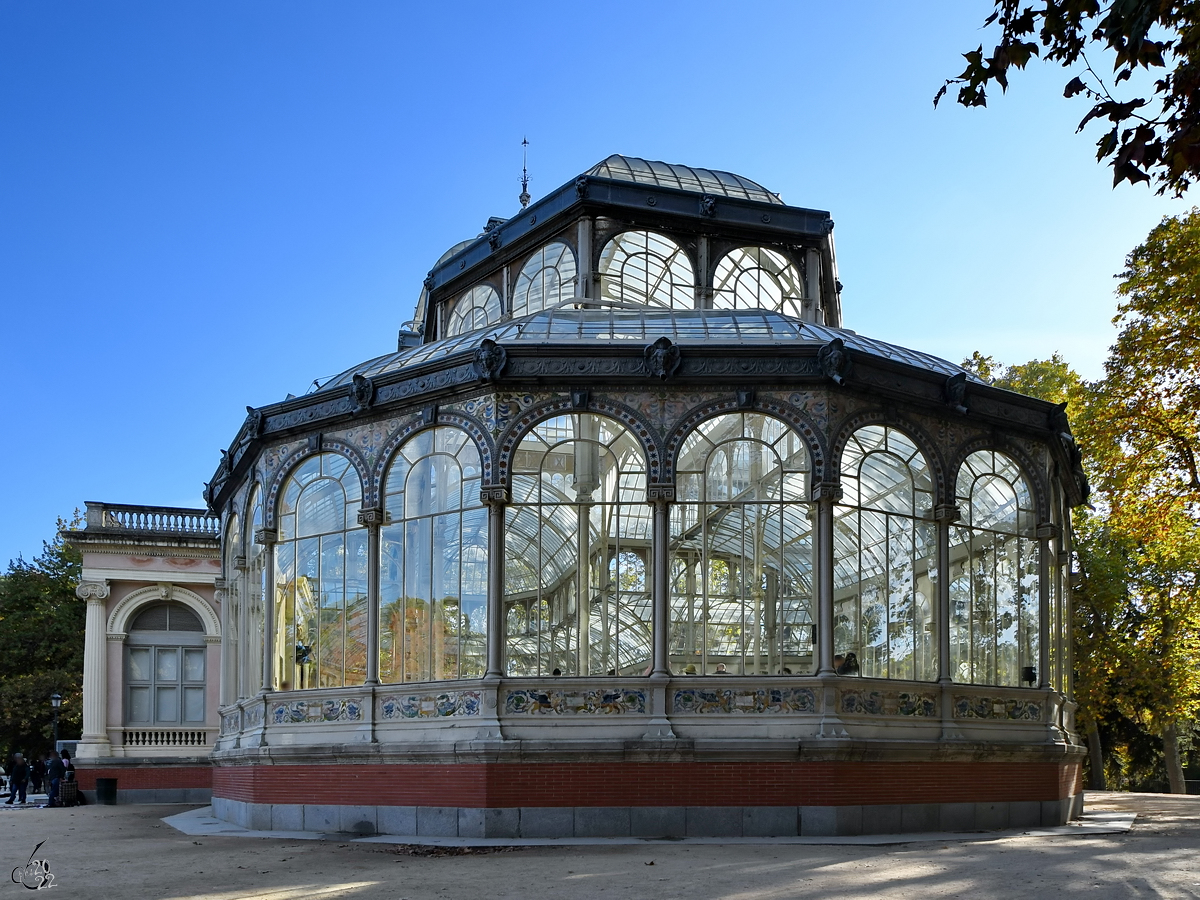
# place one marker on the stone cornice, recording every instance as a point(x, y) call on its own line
point(125, 544)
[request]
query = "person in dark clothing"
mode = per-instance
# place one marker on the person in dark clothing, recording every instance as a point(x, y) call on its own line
point(37, 773)
point(55, 771)
point(18, 779)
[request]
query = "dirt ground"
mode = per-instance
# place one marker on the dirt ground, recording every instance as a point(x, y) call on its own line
point(127, 852)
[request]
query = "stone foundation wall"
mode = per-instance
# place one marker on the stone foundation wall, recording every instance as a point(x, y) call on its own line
point(641, 821)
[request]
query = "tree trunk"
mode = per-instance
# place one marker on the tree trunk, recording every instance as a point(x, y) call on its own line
point(1096, 780)
point(1170, 739)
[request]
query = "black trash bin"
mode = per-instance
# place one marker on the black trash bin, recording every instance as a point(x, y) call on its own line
point(106, 791)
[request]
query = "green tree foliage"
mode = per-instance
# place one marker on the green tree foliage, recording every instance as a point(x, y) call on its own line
point(1047, 379)
point(1142, 433)
point(1154, 136)
point(1138, 606)
point(41, 647)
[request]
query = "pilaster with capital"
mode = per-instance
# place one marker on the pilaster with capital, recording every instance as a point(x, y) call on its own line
point(94, 741)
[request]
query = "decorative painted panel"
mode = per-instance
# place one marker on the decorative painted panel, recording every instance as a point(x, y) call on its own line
point(430, 706)
point(252, 715)
point(496, 411)
point(763, 700)
point(889, 703)
point(997, 708)
point(601, 701)
point(231, 722)
point(369, 437)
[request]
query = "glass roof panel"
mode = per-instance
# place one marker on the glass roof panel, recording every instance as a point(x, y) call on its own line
point(568, 323)
point(684, 178)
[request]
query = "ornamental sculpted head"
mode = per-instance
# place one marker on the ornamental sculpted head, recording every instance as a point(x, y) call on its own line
point(490, 360)
point(834, 361)
point(362, 393)
point(663, 358)
point(956, 392)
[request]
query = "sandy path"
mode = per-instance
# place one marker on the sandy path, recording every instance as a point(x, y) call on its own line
point(126, 852)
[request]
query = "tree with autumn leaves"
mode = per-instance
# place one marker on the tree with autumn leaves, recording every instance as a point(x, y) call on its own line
point(1137, 597)
point(1141, 428)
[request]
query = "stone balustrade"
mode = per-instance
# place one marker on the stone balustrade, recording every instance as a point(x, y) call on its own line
point(152, 519)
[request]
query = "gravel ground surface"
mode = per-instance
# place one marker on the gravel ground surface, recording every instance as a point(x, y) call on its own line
point(127, 852)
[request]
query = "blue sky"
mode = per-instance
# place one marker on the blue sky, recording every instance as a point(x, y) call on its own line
point(208, 205)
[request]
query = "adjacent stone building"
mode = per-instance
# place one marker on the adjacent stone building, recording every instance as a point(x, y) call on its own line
point(152, 650)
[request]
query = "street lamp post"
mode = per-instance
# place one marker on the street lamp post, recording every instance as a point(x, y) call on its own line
point(56, 702)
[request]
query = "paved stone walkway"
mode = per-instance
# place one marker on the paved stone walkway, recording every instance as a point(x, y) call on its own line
point(130, 852)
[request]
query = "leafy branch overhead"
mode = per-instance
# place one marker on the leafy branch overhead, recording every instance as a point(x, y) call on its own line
point(1148, 138)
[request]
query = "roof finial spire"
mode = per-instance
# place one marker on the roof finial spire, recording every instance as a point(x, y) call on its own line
point(524, 198)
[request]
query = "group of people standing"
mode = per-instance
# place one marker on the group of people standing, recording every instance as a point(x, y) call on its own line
point(43, 773)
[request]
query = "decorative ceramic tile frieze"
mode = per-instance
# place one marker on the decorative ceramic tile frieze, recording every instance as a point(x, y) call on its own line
point(342, 710)
point(997, 708)
point(889, 703)
point(600, 701)
point(763, 700)
point(252, 715)
point(290, 712)
point(231, 722)
point(430, 706)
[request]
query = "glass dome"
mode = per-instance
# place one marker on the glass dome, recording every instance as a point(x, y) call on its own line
point(685, 178)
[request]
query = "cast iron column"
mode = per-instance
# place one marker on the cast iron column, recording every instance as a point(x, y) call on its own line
point(946, 516)
point(660, 596)
point(825, 495)
point(372, 518)
point(495, 592)
point(1045, 533)
point(266, 537)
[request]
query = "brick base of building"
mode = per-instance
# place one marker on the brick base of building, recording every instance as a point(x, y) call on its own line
point(150, 779)
point(734, 798)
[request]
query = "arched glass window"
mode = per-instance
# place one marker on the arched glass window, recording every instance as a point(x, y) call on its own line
point(885, 571)
point(231, 651)
point(577, 551)
point(741, 550)
point(757, 278)
point(477, 308)
point(320, 577)
point(994, 627)
point(649, 269)
point(547, 278)
point(253, 618)
point(433, 579)
point(165, 662)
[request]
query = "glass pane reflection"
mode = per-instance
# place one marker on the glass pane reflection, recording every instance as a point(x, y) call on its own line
point(994, 584)
point(577, 542)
